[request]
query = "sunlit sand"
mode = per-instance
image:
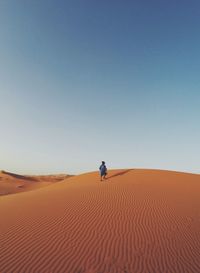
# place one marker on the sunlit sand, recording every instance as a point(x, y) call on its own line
point(134, 221)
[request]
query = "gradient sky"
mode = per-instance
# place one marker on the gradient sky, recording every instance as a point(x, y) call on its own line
point(85, 81)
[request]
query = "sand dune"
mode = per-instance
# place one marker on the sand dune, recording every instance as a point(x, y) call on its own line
point(136, 221)
point(15, 183)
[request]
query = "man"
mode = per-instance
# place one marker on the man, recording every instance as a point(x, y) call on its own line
point(103, 170)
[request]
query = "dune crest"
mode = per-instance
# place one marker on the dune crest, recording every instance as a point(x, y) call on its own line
point(15, 183)
point(135, 221)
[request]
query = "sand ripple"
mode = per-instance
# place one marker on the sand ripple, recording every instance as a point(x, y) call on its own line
point(136, 221)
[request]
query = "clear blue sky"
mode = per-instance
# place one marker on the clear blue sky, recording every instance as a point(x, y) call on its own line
point(85, 81)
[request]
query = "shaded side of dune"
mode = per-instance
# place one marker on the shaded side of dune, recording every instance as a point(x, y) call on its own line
point(14, 183)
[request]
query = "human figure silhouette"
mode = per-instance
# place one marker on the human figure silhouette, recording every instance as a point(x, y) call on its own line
point(103, 170)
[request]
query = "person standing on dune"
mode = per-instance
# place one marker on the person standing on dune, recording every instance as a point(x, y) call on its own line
point(103, 170)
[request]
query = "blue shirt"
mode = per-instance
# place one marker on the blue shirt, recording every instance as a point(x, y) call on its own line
point(102, 169)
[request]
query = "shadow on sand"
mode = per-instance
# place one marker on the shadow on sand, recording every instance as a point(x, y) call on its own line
point(19, 176)
point(118, 174)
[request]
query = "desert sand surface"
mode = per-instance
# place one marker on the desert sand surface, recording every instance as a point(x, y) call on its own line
point(15, 183)
point(135, 221)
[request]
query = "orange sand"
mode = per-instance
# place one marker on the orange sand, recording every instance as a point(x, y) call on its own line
point(136, 221)
point(15, 183)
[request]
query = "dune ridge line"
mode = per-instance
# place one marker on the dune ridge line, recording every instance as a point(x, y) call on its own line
point(135, 221)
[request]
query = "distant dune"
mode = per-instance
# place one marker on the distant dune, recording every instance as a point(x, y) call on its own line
point(135, 221)
point(15, 183)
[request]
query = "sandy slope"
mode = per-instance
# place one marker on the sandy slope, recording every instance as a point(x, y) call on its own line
point(136, 221)
point(15, 183)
